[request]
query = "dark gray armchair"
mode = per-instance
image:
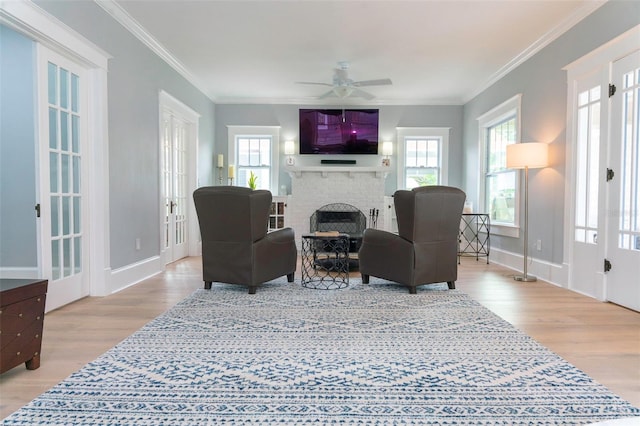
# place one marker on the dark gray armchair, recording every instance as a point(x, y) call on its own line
point(236, 247)
point(426, 247)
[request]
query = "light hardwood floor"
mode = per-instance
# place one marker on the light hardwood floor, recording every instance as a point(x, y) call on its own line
point(601, 339)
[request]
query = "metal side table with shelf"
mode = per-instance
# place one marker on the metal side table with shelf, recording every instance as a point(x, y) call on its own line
point(474, 238)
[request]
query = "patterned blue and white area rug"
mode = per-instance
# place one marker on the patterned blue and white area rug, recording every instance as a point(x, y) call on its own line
point(365, 355)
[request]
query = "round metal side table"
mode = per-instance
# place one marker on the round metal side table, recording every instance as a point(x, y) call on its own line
point(325, 261)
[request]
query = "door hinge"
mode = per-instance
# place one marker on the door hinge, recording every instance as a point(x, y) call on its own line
point(612, 90)
point(38, 210)
point(607, 265)
point(610, 175)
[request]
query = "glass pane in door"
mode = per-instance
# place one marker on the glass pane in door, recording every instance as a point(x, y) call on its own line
point(180, 180)
point(64, 172)
point(587, 166)
point(629, 237)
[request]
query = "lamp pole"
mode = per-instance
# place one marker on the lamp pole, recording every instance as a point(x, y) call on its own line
point(525, 156)
point(525, 277)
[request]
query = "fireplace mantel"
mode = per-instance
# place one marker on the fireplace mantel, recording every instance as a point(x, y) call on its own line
point(380, 172)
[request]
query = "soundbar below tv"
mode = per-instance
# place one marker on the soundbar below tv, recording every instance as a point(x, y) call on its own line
point(339, 131)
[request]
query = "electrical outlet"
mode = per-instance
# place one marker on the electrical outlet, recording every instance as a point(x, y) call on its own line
point(539, 245)
point(138, 244)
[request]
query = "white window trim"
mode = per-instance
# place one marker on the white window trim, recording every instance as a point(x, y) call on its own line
point(423, 132)
point(258, 131)
point(485, 121)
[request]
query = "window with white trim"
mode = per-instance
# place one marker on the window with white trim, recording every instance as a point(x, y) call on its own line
point(499, 186)
point(255, 149)
point(422, 156)
point(253, 155)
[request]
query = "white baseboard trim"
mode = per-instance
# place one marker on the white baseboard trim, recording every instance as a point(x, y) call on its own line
point(546, 271)
point(19, 272)
point(129, 275)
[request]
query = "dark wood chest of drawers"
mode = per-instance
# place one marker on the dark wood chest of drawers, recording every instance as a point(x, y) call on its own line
point(21, 319)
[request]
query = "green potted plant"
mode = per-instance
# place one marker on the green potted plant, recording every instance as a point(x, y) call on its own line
point(253, 179)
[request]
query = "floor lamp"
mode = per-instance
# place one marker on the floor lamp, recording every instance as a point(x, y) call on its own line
point(526, 156)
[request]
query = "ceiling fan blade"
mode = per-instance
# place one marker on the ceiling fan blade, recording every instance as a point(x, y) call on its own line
point(380, 82)
point(329, 94)
point(314, 83)
point(357, 93)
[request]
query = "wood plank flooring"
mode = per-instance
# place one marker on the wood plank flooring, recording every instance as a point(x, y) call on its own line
point(601, 339)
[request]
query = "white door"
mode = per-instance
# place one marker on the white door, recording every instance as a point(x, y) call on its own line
point(175, 186)
point(590, 106)
point(623, 222)
point(62, 139)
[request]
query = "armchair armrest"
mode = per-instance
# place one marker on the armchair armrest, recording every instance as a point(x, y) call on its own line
point(386, 255)
point(275, 255)
point(284, 235)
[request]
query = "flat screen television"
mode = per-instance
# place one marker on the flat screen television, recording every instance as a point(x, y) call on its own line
point(339, 131)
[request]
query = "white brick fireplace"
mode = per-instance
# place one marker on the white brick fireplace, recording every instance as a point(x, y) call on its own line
point(313, 187)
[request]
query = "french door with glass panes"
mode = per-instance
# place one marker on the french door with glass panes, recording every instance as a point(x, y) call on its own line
point(174, 146)
point(63, 198)
point(605, 256)
point(623, 219)
point(587, 275)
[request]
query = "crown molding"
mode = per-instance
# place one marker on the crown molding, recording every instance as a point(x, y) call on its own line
point(551, 35)
point(128, 22)
point(338, 101)
point(30, 19)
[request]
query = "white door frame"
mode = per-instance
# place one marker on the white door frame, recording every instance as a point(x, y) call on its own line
point(599, 60)
point(36, 24)
point(192, 118)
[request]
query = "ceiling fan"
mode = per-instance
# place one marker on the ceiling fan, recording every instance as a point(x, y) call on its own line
point(344, 87)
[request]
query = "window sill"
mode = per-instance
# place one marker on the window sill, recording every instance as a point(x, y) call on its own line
point(505, 230)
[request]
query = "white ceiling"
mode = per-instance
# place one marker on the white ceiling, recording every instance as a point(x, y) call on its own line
point(435, 51)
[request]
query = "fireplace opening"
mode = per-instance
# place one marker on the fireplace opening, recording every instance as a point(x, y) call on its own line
point(343, 218)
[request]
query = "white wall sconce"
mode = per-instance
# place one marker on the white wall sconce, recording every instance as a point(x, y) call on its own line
point(289, 150)
point(387, 151)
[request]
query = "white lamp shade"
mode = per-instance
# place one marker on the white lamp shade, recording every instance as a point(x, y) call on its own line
point(533, 155)
point(289, 148)
point(387, 148)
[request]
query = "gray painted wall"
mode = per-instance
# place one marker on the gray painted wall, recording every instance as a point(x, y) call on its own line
point(136, 76)
point(543, 85)
point(391, 117)
point(18, 234)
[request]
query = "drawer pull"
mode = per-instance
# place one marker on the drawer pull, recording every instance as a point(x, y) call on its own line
point(38, 317)
point(18, 354)
point(37, 336)
point(19, 334)
point(20, 315)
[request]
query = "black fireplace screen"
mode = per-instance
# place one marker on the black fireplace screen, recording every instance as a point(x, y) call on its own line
point(340, 217)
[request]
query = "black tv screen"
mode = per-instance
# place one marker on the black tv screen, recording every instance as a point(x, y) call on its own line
point(339, 131)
